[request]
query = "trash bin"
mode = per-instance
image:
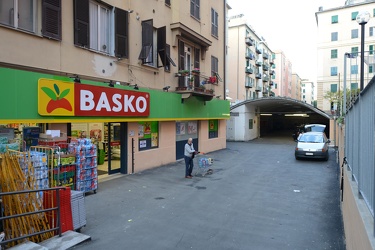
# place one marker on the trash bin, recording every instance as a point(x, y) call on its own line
point(101, 156)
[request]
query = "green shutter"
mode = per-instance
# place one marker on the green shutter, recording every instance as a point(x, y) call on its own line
point(334, 53)
point(335, 19)
point(354, 15)
point(333, 88)
point(354, 86)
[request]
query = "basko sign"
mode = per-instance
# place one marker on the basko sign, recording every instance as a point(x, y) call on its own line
point(58, 98)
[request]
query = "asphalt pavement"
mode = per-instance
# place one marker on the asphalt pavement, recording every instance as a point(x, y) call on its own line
point(257, 197)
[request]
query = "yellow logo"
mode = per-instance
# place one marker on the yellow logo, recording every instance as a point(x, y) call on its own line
point(55, 97)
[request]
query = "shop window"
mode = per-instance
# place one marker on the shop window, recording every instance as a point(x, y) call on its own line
point(23, 15)
point(195, 8)
point(148, 135)
point(214, 23)
point(94, 29)
point(213, 129)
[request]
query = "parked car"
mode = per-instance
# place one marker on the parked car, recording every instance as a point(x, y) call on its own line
point(312, 145)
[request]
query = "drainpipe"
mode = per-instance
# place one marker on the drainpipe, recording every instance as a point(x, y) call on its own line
point(225, 48)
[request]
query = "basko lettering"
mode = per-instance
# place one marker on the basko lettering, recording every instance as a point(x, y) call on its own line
point(104, 101)
point(120, 102)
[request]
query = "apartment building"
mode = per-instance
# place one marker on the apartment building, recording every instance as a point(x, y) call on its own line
point(250, 62)
point(296, 89)
point(283, 75)
point(339, 45)
point(145, 73)
point(308, 92)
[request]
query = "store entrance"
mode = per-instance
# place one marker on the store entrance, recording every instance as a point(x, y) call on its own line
point(113, 145)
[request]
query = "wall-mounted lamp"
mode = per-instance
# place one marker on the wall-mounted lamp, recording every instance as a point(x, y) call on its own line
point(166, 88)
point(76, 79)
point(130, 11)
point(136, 87)
point(111, 83)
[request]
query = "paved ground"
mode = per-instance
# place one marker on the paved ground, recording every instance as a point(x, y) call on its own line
point(258, 197)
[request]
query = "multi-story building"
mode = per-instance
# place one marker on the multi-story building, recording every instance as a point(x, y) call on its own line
point(142, 73)
point(308, 92)
point(338, 44)
point(296, 87)
point(250, 61)
point(283, 69)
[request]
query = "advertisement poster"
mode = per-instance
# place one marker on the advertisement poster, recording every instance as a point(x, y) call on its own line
point(96, 131)
point(7, 132)
point(147, 128)
point(140, 130)
point(31, 136)
point(154, 139)
point(192, 127)
point(79, 130)
point(142, 143)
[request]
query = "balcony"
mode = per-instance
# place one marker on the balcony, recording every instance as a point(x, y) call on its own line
point(250, 55)
point(249, 41)
point(258, 76)
point(272, 72)
point(258, 50)
point(265, 78)
point(249, 70)
point(271, 83)
point(265, 67)
point(249, 82)
point(258, 63)
point(258, 88)
point(272, 62)
point(265, 56)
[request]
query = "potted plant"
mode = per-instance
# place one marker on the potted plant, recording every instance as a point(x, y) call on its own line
point(195, 71)
point(182, 72)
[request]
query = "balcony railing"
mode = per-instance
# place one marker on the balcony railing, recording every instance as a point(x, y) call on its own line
point(258, 88)
point(258, 63)
point(249, 82)
point(258, 50)
point(250, 56)
point(272, 72)
point(249, 41)
point(249, 70)
point(265, 56)
point(265, 67)
point(265, 78)
point(258, 75)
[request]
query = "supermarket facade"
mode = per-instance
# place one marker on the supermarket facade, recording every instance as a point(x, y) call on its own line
point(136, 129)
point(138, 85)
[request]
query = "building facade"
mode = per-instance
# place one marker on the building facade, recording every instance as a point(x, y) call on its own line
point(250, 62)
point(296, 87)
point(308, 92)
point(138, 77)
point(339, 45)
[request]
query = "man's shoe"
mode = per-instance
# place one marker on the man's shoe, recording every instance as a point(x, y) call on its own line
point(189, 177)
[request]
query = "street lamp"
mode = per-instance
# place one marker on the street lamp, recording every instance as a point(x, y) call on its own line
point(362, 18)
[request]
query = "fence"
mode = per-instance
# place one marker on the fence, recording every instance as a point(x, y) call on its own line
point(360, 144)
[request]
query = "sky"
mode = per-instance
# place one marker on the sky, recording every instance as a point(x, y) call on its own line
point(288, 25)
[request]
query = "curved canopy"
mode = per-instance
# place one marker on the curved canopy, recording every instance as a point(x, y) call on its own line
point(282, 105)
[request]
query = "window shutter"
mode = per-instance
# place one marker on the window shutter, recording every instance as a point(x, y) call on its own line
point(181, 62)
point(121, 33)
point(197, 53)
point(81, 23)
point(161, 45)
point(51, 19)
point(147, 40)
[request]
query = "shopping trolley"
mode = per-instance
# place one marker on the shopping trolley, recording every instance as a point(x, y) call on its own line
point(204, 164)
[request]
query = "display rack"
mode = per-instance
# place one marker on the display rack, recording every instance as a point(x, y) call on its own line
point(86, 165)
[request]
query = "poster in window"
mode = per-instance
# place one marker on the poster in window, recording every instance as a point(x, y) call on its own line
point(180, 128)
point(154, 139)
point(142, 143)
point(192, 127)
point(147, 128)
point(140, 130)
point(212, 125)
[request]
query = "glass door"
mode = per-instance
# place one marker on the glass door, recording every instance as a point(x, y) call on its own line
point(112, 146)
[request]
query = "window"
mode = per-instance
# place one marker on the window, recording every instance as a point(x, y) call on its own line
point(148, 135)
point(354, 51)
point(213, 129)
point(275, 85)
point(371, 31)
point(27, 18)
point(194, 9)
point(168, 2)
point(354, 86)
point(334, 53)
point(94, 29)
point(354, 33)
point(354, 15)
point(214, 65)
point(251, 121)
point(154, 45)
point(371, 68)
point(333, 88)
point(334, 36)
point(333, 71)
point(354, 69)
point(335, 19)
point(188, 59)
point(214, 23)
point(371, 49)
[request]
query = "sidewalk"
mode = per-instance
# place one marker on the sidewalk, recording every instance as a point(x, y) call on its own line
point(258, 197)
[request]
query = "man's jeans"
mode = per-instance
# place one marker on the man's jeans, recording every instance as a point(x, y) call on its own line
point(189, 163)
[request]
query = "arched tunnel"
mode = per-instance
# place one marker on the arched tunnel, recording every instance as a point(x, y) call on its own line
point(281, 115)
